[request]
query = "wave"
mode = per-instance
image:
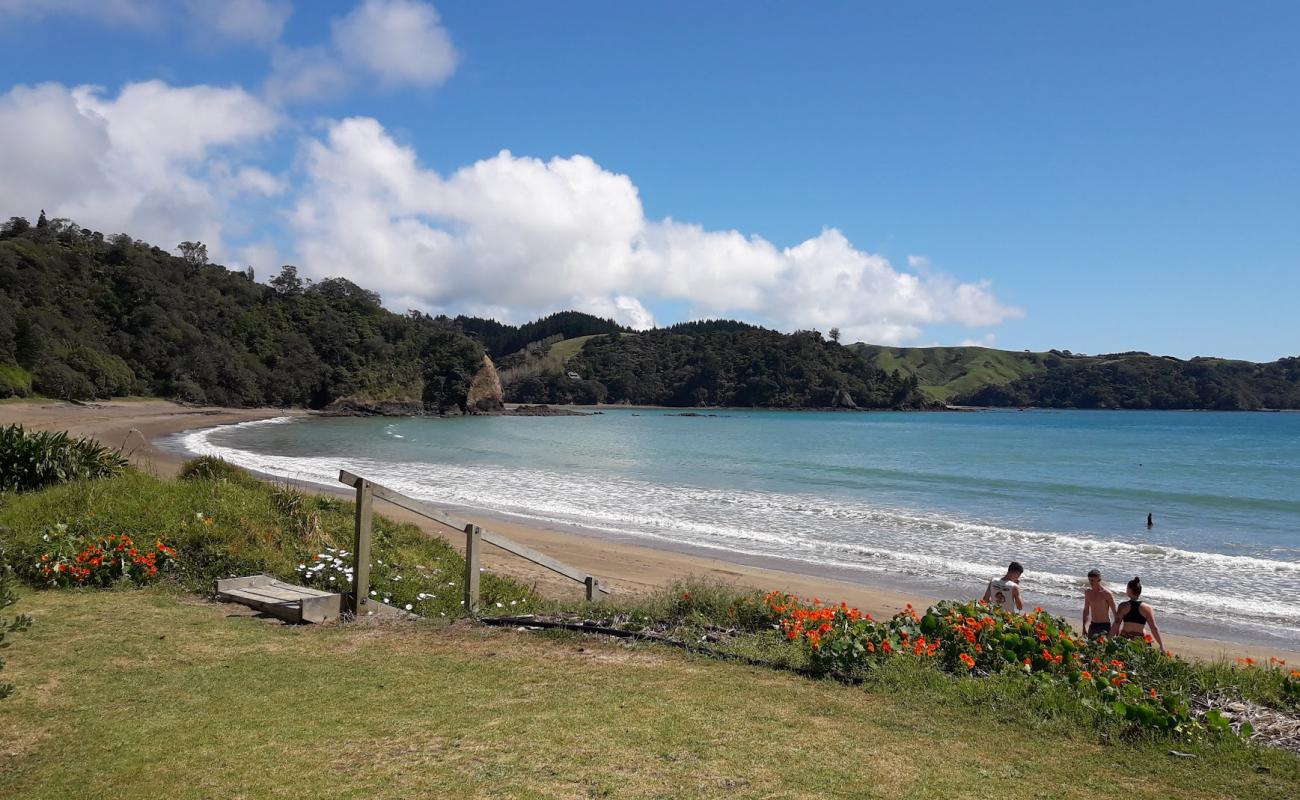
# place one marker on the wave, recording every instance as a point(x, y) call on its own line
point(819, 531)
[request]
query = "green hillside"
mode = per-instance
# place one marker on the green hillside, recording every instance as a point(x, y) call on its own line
point(950, 372)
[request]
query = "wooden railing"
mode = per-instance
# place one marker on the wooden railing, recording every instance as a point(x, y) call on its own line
point(475, 538)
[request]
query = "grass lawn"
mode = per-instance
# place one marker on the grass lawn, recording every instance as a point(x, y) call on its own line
point(149, 693)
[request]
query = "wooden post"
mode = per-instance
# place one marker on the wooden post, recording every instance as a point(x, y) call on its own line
point(361, 551)
point(473, 546)
point(592, 585)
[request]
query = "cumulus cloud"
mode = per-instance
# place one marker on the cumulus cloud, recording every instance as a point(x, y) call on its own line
point(527, 236)
point(151, 161)
point(396, 42)
point(399, 41)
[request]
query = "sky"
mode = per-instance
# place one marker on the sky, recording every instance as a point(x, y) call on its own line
point(1096, 177)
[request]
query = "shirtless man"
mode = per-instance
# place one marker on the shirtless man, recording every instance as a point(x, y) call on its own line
point(1098, 606)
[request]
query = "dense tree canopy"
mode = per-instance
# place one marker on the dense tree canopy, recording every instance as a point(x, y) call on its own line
point(83, 316)
point(1142, 381)
point(723, 363)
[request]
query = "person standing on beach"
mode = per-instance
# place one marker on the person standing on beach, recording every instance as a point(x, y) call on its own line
point(1098, 606)
point(1004, 592)
point(1133, 616)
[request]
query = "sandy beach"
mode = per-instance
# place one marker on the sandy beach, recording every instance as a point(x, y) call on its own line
point(139, 425)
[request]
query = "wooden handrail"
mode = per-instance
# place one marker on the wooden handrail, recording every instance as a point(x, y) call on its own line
point(473, 535)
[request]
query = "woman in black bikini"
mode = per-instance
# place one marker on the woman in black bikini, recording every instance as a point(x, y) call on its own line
point(1133, 616)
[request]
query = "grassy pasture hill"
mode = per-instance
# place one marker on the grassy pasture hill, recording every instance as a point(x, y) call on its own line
point(950, 372)
point(981, 376)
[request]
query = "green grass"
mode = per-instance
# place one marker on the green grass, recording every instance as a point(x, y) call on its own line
point(144, 693)
point(948, 372)
point(564, 350)
point(234, 525)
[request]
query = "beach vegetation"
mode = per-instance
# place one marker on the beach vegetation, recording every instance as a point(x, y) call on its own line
point(32, 460)
point(213, 526)
point(214, 468)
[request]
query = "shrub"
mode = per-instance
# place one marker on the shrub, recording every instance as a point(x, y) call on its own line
point(14, 381)
point(71, 560)
point(56, 379)
point(1116, 677)
point(35, 460)
point(214, 468)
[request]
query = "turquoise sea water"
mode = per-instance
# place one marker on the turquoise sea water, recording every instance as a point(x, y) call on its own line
point(935, 502)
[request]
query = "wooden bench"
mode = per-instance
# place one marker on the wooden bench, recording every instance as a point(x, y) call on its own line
point(280, 599)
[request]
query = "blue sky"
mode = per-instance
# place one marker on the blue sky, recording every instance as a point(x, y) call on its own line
point(1098, 178)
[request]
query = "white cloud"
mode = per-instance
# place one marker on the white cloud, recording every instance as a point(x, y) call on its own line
point(258, 22)
point(399, 41)
point(531, 236)
point(306, 73)
point(151, 162)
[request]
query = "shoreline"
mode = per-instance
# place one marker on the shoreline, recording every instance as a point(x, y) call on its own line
point(630, 568)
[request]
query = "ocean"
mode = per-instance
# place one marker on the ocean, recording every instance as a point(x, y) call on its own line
point(926, 502)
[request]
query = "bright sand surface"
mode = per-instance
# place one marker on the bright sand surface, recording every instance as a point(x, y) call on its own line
point(626, 568)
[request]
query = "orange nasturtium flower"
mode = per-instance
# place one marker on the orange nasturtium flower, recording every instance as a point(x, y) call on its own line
point(1086, 675)
point(967, 660)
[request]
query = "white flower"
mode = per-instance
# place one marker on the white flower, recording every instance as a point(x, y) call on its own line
point(408, 606)
point(310, 575)
point(198, 515)
point(45, 537)
point(373, 593)
point(331, 579)
point(302, 566)
point(500, 606)
point(442, 613)
point(386, 601)
point(512, 602)
point(451, 583)
point(397, 578)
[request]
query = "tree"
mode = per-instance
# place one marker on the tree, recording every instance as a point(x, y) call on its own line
point(195, 254)
point(287, 282)
point(835, 335)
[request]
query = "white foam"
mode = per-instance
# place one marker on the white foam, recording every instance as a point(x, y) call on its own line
point(816, 530)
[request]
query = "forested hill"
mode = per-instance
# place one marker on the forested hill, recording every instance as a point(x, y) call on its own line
point(88, 316)
point(980, 376)
point(85, 316)
point(722, 364)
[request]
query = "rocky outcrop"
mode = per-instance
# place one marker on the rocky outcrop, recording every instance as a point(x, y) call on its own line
point(843, 399)
point(361, 407)
point(485, 394)
point(547, 411)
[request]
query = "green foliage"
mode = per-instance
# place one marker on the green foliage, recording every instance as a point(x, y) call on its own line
point(214, 468)
point(8, 625)
point(724, 363)
point(502, 340)
point(950, 372)
point(89, 317)
point(69, 559)
point(1141, 381)
point(219, 527)
point(980, 376)
point(14, 381)
point(34, 460)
